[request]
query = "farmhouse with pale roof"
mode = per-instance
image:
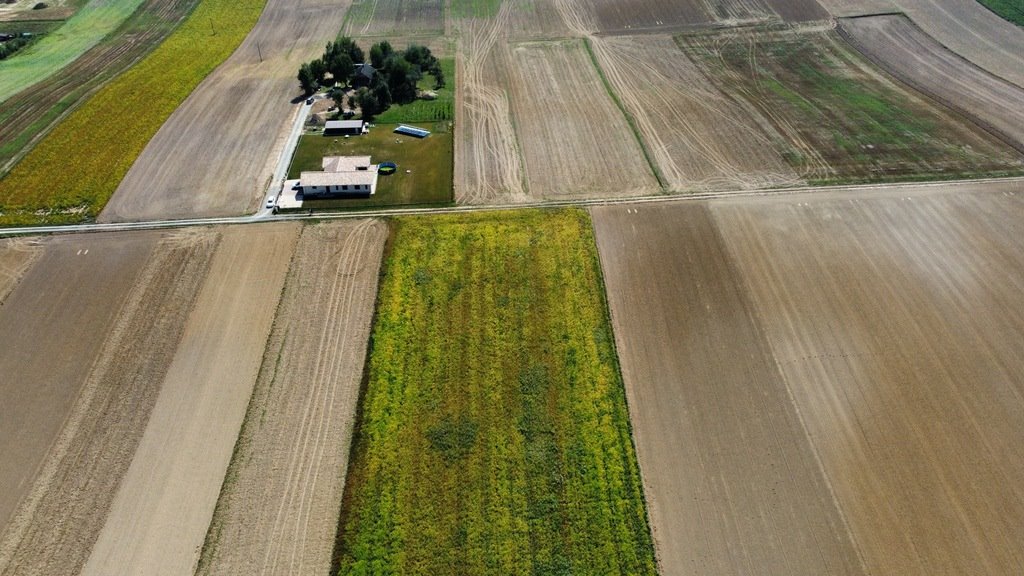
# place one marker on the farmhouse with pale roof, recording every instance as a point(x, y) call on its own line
point(342, 177)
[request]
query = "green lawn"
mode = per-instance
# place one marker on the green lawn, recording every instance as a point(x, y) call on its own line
point(427, 110)
point(494, 435)
point(61, 46)
point(1012, 10)
point(429, 159)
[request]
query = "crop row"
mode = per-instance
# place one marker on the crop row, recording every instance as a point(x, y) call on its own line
point(494, 434)
point(72, 173)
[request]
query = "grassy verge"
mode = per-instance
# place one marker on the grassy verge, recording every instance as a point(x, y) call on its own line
point(437, 110)
point(820, 94)
point(494, 434)
point(1012, 10)
point(71, 174)
point(60, 47)
point(429, 161)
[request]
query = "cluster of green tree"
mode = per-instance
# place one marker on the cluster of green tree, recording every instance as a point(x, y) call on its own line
point(9, 47)
point(396, 74)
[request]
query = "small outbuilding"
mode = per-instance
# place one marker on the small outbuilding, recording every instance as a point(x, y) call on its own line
point(345, 128)
point(412, 131)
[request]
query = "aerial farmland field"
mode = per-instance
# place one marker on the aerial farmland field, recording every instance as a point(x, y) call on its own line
point(875, 373)
point(917, 59)
point(838, 117)
point(278, 510)
point(493, 435)
point(394, 18)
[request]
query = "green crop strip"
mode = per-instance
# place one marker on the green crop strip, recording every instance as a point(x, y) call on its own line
point(72, 173)
point(1012, 10)
point(494, 435)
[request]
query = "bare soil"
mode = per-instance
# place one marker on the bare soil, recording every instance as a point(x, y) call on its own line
point(827, 382)
point(162, 509)
point(16, 256)
point(52, 328)
point(576, 142)
point(216, 154)
point(914, 57)
point(730, 478)
point(278, 511)
point(394, 18)
point(700, 138)
point(57, 524)
point(897, 326)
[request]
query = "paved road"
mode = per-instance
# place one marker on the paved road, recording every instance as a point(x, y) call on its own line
point(995, 185)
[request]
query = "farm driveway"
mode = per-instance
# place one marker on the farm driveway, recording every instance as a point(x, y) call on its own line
point(162, 509)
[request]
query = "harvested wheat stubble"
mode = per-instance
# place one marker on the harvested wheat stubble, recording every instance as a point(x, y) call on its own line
point(51, 328)
point(394, 17)
point(576, 142)
point(216, 153)
point(897, 325)
point(731, 481)
point(163, 506)
point(699, 138)
point(278, 510)
point(16, 256)
point(914, 57)
point(58, 522)
point(488, 167)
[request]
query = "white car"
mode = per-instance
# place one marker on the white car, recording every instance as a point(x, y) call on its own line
point(271, 200)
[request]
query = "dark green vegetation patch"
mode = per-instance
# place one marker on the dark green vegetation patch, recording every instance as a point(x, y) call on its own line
point(494, 435)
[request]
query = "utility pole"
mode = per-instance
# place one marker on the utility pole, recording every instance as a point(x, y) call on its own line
point(258, 51)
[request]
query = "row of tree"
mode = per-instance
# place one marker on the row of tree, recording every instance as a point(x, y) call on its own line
point(394, 78)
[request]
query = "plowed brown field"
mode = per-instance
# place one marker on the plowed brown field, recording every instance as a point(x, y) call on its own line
point(58, 522)
point(827, 383)
point(576, 142)
point(216, 154)
point(278, 512)
point(699, 138)
point(633, 16)
point(51, 331)
point(162, 508)
point(914, 57)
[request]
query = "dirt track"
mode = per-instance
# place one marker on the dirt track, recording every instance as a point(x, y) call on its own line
point(51, 329)
point(162, 508)
point(909, 54)
point(139, 34)
point(699, 138)
point(215, 155)
point(59, 521)
point(278, 514)
point(891, 326)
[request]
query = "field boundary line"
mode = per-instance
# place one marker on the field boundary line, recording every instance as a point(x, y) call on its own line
point(629, 117)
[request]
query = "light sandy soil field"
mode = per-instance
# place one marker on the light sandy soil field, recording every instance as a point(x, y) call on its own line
point(964, 26)
point(216, 154)
point(162, 509)
point(49, 339)
point(575, 140)
point(886, 323)
point(633, 16)
point(16, 256)
point(914, 57)
point(278, 511)
point(394, 18)
point(58, 522)
point(488, 161)
point(730, 477)
point(699, 138)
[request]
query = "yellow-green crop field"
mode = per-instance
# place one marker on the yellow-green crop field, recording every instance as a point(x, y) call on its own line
point(72, 173)
point(494, 435)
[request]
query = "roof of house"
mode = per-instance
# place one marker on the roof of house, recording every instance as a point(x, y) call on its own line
point(367, 177)
point(343, 124)
point(366, 70)
point(344, 163)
